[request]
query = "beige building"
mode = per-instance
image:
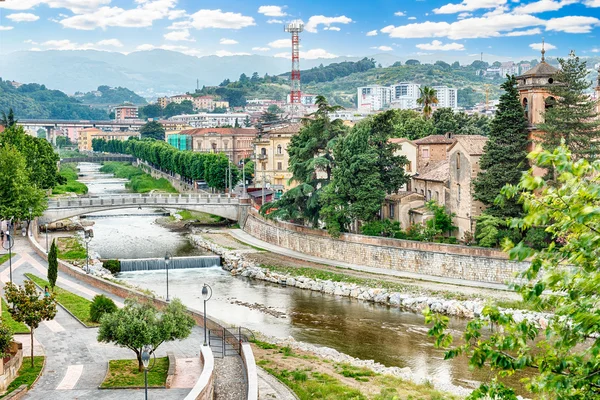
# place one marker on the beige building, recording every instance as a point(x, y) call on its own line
point(84, 141)
point(272, 158)
point(432, 149)
point(398, 207)
point(180, 98)
point(236, 143)
point(409, 150)
point(163, 102)
point(464, 166)
point(174, 125)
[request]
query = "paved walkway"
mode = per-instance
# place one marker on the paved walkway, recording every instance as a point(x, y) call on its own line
point(249, 239)
point(270, 388)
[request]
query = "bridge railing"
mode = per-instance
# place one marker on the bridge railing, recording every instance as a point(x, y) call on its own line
point(140, 200)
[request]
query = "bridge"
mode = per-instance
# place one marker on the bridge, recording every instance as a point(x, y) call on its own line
point(232, 208)
point(94, 159)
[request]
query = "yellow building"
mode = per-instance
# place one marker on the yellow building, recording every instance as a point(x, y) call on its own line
point(272, 158)
point(84, 142)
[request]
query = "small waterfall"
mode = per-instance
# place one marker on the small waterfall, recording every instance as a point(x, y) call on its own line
point(152, 264)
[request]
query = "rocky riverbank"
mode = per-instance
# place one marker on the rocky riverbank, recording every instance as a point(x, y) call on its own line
point(236, 263)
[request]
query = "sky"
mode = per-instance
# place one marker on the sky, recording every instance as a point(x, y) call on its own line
point(510, 28)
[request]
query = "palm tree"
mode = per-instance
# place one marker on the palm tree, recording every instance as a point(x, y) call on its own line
point(428, 97)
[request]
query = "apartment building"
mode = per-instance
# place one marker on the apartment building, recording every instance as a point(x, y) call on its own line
point(373, 98)
point(206, 120)
point(272, 158)
point(124, 112)
point(447, 97)
point(236, 143)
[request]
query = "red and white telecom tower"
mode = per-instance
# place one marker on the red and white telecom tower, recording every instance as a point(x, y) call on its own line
point(295, 27)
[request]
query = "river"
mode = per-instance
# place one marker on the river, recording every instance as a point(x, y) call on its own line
point(360, 329)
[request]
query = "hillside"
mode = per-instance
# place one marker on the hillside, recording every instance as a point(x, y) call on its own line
point(35, 101)
point(107, 96)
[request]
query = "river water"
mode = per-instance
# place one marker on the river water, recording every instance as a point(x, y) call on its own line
point(360, 329)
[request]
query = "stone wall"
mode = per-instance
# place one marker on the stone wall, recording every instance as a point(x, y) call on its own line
point(434, 259)
point(9, 369)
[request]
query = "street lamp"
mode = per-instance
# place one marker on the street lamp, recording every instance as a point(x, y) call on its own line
point(88, 235)
point(46, 238)
point(146, 350)
point(206, 295)
point(8, 244)
point(167, 262)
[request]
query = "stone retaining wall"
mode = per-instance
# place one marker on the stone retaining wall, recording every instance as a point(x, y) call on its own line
point(10, 369)
point(204, 389)
point(434, 259)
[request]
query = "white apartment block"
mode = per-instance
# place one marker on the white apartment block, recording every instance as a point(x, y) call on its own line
point(447, 97)
point(509, 68)
point(349, 115)
point(405, 95)
point(206, 120)
point(374, 98)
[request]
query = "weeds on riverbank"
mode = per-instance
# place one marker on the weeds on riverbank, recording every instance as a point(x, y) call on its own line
point(70, 173)
point(70, 249)
point(139, 181)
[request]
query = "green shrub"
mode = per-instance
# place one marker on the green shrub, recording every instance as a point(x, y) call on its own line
point(6, 337)
point(114, 266)
point(101, 305)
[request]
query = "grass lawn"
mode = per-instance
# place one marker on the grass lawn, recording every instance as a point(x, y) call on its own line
point(77, 305)
point(4, 258)
point(124, 373)
point(69, 248)
point(27, 375)
point(7, 319)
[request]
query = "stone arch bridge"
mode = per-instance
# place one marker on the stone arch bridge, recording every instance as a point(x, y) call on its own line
point(232, 208)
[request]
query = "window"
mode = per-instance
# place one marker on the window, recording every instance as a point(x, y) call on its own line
point(279, 167)
point(279, 149)
point(225, 144)
point(526, 107)
point(458, 196)
point(425, 152)
point(392, 210)
point(409, 166)
point(437, 196)
point(429, 195)
point(457, 160)
point(263, 151)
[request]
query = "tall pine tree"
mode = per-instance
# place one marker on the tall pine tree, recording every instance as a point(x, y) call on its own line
point(52, 265)
point(505, 154)
point(570, 112)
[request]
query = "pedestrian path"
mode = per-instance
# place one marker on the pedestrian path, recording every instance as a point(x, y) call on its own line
point(249, 239)
point(187, 371)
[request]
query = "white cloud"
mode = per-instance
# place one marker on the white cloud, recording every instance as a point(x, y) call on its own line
point(332, 28)
point(382, 48)
point(29, 41)
point(372, 33)
point(412, 18)
point(469, 28)
point(281, 43)
point(596, 50)
point(592, 3)
point(144, 15)
point(261, 49)
point(228, 41)
point(274, 21)
point(543, 6)
point(538, 46)
point(468, 5)
point(271, 11)
point(399, 14)
point(225, 53)
point(5, 28)
point(528, 32)
point(219, 19)
point(76, 6)
point(179, 36)
point(316, 20)
point(439, 46)
point(23, 17)
point(110, 43)
point(66, 44)
point(464, 15)
point(309, 55)
point(572, 24)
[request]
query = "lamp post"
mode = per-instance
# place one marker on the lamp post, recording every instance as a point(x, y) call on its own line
point(146, 361)
point(167, 262)
point(206, 295)
point(46, 238)
point(8, 244)
point(88, 235)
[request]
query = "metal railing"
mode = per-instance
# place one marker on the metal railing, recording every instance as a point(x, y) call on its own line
point(228, 341)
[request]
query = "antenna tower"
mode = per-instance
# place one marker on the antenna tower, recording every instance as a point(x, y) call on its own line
point(295, 27)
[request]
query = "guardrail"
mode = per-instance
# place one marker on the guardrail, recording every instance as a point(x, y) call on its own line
point(141, 200)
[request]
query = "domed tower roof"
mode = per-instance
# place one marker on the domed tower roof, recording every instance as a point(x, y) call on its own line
point(543, 69)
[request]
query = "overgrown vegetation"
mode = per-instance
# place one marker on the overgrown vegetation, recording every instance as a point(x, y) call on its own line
point(139, 181)
point(125, 374)
point(101, 305)
point(69, 173)
point(110, 96)
point(114, 266)
point(27, 374)
point(70, 249)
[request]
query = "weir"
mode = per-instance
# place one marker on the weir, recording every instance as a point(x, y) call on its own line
point(153, 264)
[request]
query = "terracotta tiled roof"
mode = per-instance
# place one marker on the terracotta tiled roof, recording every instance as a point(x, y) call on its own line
point(438, 172)
point(292, 128)
point(400, 140)
point(542, 69)
point(434, 139)
point(220, 131)
point(473, 144)
point(401, 195)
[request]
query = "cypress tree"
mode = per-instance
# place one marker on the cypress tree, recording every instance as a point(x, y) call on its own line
point(505, 153)
point(571, 113)
point(52, 265)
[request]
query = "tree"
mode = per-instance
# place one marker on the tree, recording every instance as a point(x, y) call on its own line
point(52, 265)
point(249, 170)
point(427, 98)
point(152, 130)
point(139, 324)
point(151, 111)
point(27, 306)
point(442, 220)
point(6, 338)
point(247, 123)
point(41, 133)
point(444, 121)
point(412, 62)
point(563, 276)
point(8, 121)
point(570, 112)
point(505, 154)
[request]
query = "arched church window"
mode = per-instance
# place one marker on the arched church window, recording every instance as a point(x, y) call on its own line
point(526, 107)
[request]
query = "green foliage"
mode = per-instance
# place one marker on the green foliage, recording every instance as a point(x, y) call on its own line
point(52, 264)
point(537, 238)
point(111, 96)
point(385, 228)
point(150, 111)
point(172, 109)
point(249, 170)
point(488, 229)
point(152, 130)
point(6, 337)
point(562, 276)
point(505, 154)
point(571, 115)
point(37, 102)
point(27, 306)
point(427, 98)
point(442, 219)
point(139, 181)
point(335, 70)
point(7, 319)
point(114, 266)
point(445, 120)
point(27, 374)
point(126, 374)
point(101, 305)
point(140, 324)
point(69, 174)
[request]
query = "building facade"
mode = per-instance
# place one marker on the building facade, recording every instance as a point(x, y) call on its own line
point(432, 149)
point(236, 143)
point(84, 141)
point(124, 112)
point(447, 97)
point(207, 120)
point(405, 95)
point(272, 159)
point(373, 98)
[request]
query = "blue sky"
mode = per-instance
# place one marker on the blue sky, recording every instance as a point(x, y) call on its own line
point(509, 28)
